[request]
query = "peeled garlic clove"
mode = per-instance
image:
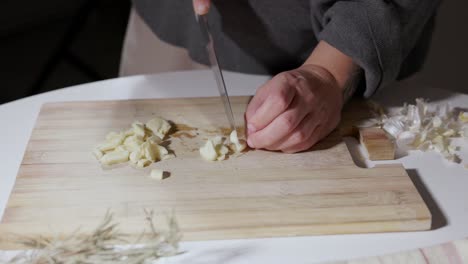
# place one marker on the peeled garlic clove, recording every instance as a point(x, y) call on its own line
point(115, 157)
point(158, 126)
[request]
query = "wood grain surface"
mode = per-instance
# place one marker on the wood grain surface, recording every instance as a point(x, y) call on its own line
point(378, 144)
point(60, 186)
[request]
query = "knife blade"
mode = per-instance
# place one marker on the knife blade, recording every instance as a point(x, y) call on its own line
point(214, 64)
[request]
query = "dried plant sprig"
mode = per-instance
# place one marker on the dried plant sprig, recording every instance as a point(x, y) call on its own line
point(101, 246)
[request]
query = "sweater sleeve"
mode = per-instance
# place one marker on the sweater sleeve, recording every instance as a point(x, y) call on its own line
point(377, 34)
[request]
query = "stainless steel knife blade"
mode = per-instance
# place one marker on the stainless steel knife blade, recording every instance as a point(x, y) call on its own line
point(209, 46)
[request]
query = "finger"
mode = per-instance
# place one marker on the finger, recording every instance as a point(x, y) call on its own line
point(279, 95)
point(301, 133)
point(201, 7)
point(307, 144)
point(256, 101)
point(284, 124)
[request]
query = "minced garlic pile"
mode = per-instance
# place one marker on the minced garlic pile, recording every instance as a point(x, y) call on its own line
point(139, 145)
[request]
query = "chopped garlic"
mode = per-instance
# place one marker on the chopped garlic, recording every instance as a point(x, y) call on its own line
point(135, 156)
point(113, 140)
point(168, 156)
point(133, 143)
point(159, 127)
point(139, 145)
point(157, 174)
point(217, 149)
point(463, 117)
point(143, 163)
point(154, 140)
point(208, 151)
point(239, 146)
point(149, 151)
point(138, 129)
point(115, 157)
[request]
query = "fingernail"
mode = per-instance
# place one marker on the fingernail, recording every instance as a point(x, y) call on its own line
point(249, 142)
point(202, 8)
point(250, 129)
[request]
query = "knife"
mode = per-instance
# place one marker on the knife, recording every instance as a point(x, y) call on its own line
point(218, 74)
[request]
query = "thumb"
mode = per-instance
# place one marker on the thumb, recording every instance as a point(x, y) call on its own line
point(201, 7)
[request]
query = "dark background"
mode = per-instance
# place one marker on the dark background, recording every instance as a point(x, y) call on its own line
point(50, 44)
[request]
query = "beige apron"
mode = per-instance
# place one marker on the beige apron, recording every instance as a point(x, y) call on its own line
point(144, 53)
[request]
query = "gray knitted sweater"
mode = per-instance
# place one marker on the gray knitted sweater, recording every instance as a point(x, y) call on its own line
point(388, 39)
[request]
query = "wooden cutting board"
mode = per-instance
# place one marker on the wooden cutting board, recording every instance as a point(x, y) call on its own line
point(60, 186)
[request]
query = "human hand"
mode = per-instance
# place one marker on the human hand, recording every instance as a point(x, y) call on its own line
point(294, 110)
point(201, 7)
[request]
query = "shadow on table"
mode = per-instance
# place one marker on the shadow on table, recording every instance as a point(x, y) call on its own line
point(408, 90)
point(438, 218)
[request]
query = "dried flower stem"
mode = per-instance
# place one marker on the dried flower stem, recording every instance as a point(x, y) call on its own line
point(101, 245)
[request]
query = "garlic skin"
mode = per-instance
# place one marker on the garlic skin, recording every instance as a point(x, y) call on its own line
point(424, 129)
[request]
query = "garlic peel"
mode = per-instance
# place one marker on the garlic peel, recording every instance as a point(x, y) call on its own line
point(419, 127)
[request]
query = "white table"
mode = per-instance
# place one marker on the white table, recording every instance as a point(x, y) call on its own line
point(446, 183)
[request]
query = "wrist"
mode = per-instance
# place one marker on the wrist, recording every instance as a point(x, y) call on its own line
point(346, 73)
